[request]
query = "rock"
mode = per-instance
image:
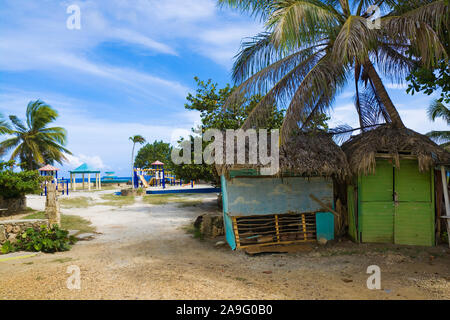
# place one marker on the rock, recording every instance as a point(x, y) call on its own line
point(73, 232)
point(9, 228)
point(16, 229)
point(220, 243)
point(267, 272)
point(12, 237)
point(322, 241)
point(85, 236)
point(210, 226)
point(347, 280)
point(2, 234)
point(128, 192)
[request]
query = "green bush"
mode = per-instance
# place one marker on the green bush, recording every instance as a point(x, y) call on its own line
point(16, 184)
point(46, 239)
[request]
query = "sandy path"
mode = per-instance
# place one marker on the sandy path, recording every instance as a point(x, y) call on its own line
point(143, 253)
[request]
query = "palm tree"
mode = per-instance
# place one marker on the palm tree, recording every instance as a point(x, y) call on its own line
point(5, 128)
point(4, 125)
point(439, 110)
point(311, 48)
point(35, 143)
point(135, 139)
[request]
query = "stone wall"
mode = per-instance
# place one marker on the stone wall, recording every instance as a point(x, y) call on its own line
point(210, 225)
point(11, 229)
point(13, 205)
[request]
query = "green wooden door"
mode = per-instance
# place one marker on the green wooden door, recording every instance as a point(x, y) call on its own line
point(414, 208)
point(376, 205)
point(397, 205)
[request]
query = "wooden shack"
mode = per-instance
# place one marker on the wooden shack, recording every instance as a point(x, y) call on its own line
point(292, 206)
point(391, 195)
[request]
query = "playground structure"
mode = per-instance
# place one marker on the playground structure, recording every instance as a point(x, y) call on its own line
point(157, 176)
point(62, 185)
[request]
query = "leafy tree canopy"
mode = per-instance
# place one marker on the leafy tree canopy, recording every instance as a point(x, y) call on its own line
point(158, 150)
point(428, 79)
point(34, 142)
point(17, 184)
point(210, 100)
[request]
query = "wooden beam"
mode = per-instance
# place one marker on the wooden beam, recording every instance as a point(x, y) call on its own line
point(324, 205)
point(447, 202)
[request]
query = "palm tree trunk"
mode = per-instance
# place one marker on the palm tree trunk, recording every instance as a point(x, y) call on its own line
point(132, 167)
point(384, 96)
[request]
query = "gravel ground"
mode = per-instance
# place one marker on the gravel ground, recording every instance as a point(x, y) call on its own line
point(143, 252)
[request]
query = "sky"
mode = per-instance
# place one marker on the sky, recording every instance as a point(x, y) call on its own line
point(129, 68)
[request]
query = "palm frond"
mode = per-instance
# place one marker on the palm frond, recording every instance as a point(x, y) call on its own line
point(283, 90)
point(17, 123)
point(416, 28)
point(256, 54)
point(280, 76)
point(342, 133)
point(438, 110)
point(295, 22)
point(258, 8)
point(439, 136)
point(4, 125)
point(322, 83)
point(354, 41)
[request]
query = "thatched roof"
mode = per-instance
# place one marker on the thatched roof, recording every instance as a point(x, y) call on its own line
point(306, 155)
point(386, 140)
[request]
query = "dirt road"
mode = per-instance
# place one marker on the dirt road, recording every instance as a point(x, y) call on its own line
point(144, 253)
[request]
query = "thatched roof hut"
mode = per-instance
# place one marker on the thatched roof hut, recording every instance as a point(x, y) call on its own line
point(386, 140)
point(309, 155)
point(292, 206)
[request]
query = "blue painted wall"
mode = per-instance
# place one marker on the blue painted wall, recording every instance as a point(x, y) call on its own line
point(270, 195)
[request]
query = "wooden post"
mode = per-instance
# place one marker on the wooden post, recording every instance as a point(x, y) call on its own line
point(89, 181)
point(52, 205)
point(447, 203)
point(82, 176)
point(99, 182)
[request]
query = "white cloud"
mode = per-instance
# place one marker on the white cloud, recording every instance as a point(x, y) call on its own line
point(94, 162)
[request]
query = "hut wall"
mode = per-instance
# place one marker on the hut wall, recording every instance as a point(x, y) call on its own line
point(244, 196)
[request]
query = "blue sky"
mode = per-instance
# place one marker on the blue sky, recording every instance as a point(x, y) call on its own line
point(129, 68)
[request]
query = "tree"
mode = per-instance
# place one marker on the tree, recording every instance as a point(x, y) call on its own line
point(5, 128)
point(35, 143)
point(4, 125)
point(311, 48)
point(210, 101)
point(135, 139)
point(428, 79)
point(150, 153)
point(17, 184)
point(439, 110)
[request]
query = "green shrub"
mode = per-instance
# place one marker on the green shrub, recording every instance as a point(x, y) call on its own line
point(16, 184)
point(46, 239)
